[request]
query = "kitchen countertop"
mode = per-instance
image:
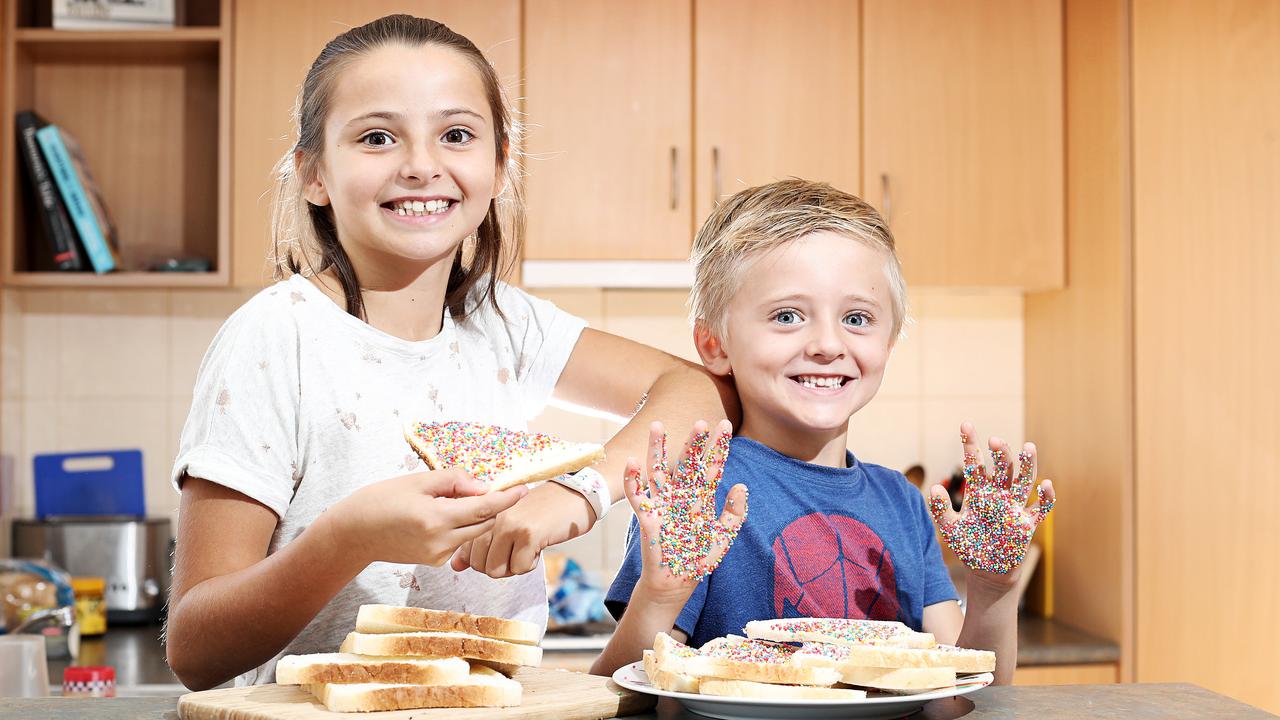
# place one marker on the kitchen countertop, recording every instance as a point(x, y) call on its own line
point(1041, 702)
point(138, 657)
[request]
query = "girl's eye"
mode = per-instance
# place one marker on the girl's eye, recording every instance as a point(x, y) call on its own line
point(458, 136)
point(857, 319)
point(377, 138)
point(786, 317)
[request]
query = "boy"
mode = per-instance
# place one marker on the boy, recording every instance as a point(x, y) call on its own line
point(798, 296)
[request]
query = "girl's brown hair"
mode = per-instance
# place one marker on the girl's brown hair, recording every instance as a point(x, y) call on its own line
point(306, 235)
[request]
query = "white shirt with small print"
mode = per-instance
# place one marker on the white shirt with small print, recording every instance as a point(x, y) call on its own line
point(297, 404)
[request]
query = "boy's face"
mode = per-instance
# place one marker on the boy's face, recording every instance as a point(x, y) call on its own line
point(809, 332)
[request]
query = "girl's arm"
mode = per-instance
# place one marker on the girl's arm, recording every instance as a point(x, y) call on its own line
point(610, 374)
point(233, 607)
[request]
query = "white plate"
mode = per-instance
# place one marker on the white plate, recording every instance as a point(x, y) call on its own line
point(876, 704)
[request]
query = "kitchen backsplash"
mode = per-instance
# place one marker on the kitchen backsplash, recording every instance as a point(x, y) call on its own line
point(91, 370)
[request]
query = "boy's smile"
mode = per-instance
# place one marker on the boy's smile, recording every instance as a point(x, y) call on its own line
point(808, 337)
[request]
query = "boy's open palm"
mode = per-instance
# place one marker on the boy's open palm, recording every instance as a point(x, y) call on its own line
point(682, 538)
point(991, 532)
point(419, 518)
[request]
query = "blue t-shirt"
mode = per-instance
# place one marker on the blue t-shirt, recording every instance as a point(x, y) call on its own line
point(853, 542)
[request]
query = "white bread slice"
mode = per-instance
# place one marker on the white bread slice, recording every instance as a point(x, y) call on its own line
point(348, 668)
point(498, 457)
point(671, 654)
point(745, 688)
point(899, 679)
point(498, 654)
point(962, 660)
point(392, 618)
point(840, 632)
point(665, 679)
point(484, 687)
point(737, 658)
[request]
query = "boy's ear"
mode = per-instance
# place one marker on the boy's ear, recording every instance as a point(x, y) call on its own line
point(711, 350)
point(313, 189)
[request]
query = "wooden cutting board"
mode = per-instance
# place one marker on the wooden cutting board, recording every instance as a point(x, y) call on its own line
point(548, 695)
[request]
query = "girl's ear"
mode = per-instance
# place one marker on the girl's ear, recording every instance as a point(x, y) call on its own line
point(500, 177)
point(312, 187)
point(711, 350)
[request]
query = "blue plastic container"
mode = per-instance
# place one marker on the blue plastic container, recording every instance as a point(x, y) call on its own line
point(105, 482)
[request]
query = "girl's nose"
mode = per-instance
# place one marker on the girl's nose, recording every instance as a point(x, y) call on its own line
point(420, 164)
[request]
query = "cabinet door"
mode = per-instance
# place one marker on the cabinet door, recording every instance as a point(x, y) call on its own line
point(963, 137)
point(607, 88)
point(270, 65)
point(777, 95)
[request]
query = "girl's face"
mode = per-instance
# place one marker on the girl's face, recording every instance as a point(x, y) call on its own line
point(409, 163)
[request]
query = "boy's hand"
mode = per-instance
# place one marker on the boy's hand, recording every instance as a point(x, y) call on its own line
point(991, 532)
point(682, 539)
point(420, 518)
point(550, 515)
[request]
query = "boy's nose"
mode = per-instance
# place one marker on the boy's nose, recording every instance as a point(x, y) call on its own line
point(824, 342)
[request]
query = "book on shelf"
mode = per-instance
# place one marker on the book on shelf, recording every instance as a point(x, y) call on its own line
point(65, 175)
point(53, 243)
point(115, 14)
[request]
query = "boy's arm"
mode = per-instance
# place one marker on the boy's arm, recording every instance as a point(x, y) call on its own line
point(990, 623)
point(639, 625)
point(609, 374)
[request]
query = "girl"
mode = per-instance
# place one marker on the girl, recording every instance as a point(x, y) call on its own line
point(300, 498)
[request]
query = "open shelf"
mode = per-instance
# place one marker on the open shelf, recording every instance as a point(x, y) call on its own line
point(150, 109)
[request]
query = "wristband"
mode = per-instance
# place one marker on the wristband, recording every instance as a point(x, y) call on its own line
point(591, 485)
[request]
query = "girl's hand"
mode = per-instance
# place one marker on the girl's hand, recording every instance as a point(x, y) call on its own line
point(420, 518)
point(682, 539)
point(991, 532)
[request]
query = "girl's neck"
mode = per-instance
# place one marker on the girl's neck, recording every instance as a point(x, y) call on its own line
point(408, 306)
point(827, 449)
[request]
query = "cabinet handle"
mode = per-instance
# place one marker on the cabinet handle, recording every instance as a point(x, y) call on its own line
point(715, 177)
point(885, 203)
point(675, 180)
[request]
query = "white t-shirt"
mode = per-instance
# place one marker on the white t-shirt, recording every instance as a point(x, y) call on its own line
point(298, 404)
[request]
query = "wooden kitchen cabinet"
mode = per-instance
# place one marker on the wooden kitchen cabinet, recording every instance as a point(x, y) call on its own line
point(275, 44)
point(777, 95)
point(963, 138)
point(607, 97)
point(612, 110)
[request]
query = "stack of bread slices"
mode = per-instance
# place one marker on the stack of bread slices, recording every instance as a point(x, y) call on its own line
point(402, 658)
point(813, 658)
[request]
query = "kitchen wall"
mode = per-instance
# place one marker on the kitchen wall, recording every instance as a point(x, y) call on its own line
point(86, 370)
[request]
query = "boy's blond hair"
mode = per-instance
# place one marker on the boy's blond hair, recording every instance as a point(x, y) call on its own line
point(763, 218)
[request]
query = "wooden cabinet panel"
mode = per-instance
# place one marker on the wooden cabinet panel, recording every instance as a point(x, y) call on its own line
point(1206, 168)
point(270, 65)
point(1098, 674)
point(607, 88)
point(777, 95)
point(962, 119)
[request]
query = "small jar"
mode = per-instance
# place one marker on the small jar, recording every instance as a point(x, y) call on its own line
point(91, 608)
point(89, 681)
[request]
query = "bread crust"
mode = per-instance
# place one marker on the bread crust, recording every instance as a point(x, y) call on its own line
point(348, 668)
point(899, 679)
point(391, 619)
point(962, 660)
point(501, 655)
point(480, 690)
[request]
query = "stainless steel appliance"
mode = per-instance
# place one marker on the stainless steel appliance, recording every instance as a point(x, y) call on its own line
point(131, 553)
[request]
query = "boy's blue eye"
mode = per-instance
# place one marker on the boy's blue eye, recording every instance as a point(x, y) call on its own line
point(377, 138)
point(458, 136)
point(786, 317)
point(857, 319)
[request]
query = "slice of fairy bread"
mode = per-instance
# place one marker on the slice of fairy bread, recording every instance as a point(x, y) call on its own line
point(500, 655)
point(899, 680)
point(962, 660)
point(391, 619)
point(667, 679)
point(840, 631)
point(773, 691)
point(482, 687)
point(737, 658)
point(349, 668)
point(499, 457)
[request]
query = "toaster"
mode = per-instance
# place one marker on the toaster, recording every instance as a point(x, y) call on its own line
point(131, 553)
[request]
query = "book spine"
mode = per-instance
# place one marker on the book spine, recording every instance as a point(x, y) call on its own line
point(62, 237)
point(77, 204)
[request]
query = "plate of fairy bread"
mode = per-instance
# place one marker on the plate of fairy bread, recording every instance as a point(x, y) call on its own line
point(810, 668)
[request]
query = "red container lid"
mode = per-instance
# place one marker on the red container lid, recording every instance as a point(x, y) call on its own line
point(89, 674)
